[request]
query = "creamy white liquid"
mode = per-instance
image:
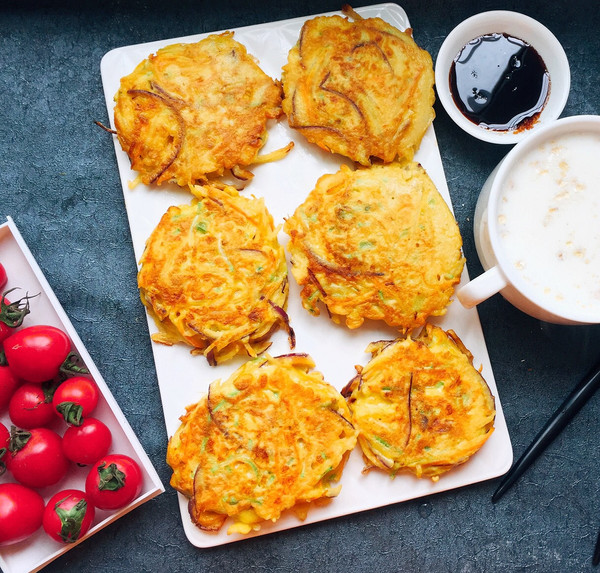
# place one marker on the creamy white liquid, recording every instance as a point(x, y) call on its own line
point(549, 222)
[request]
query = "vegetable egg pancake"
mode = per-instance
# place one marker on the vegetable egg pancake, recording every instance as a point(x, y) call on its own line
point(214, 276)
point(360, 88)
point(192, 111)
point(420, 405)
point(273, 436)
point(378, 243)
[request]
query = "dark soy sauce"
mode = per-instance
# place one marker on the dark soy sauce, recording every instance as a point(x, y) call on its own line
point(499, 82)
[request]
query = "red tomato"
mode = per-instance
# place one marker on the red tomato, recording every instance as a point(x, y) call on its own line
point(36, 353)
point(3, 276)
point(35, 457)
point(75, 399)
point(21, 512)
point(5, 329)
point(68, 516)
point(87, 443)
point(114, 481)
point(8, 384)
point(31, 406)
point(12, 314)
point(4, 435)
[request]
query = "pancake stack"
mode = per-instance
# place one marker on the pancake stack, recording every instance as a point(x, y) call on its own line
point(374, 241)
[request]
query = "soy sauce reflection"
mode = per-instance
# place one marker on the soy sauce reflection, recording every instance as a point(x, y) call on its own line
point(499, 82)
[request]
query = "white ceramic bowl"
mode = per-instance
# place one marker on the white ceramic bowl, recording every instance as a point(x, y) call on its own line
point(519, 26)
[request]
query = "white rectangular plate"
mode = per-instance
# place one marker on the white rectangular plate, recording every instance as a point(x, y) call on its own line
point(23, 272)
point(335, 349)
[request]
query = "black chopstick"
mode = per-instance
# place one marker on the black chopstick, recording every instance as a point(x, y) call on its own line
point(596, 557)
point(561, 417)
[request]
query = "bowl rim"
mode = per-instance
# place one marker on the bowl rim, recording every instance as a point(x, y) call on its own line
point(527, 29)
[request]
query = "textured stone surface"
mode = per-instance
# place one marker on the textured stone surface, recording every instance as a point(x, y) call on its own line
point(59, 181)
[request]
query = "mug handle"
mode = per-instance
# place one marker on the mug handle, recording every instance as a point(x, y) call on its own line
point(482, 287)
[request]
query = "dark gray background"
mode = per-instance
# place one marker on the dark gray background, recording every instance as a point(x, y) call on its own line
point(59, 181)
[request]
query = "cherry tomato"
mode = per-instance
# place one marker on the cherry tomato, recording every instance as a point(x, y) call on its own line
point(87, 443)
point(31, 405)
point(75, 399)
point(5, 329)
point(12, 314)
point(8, 384)
point(114, 481)
point(4, 435)
point(68, 515)
point(36, 353)
point(21, 512)
point(35, 457)
point(3, 276)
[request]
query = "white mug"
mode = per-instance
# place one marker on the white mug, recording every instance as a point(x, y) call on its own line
point(537, 225)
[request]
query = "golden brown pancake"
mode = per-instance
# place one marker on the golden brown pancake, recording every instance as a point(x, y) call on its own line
point(214, 275)
point(376, 243)
point(359, 87)
point(273, 436)
point(192, 111)
point(420, 405)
